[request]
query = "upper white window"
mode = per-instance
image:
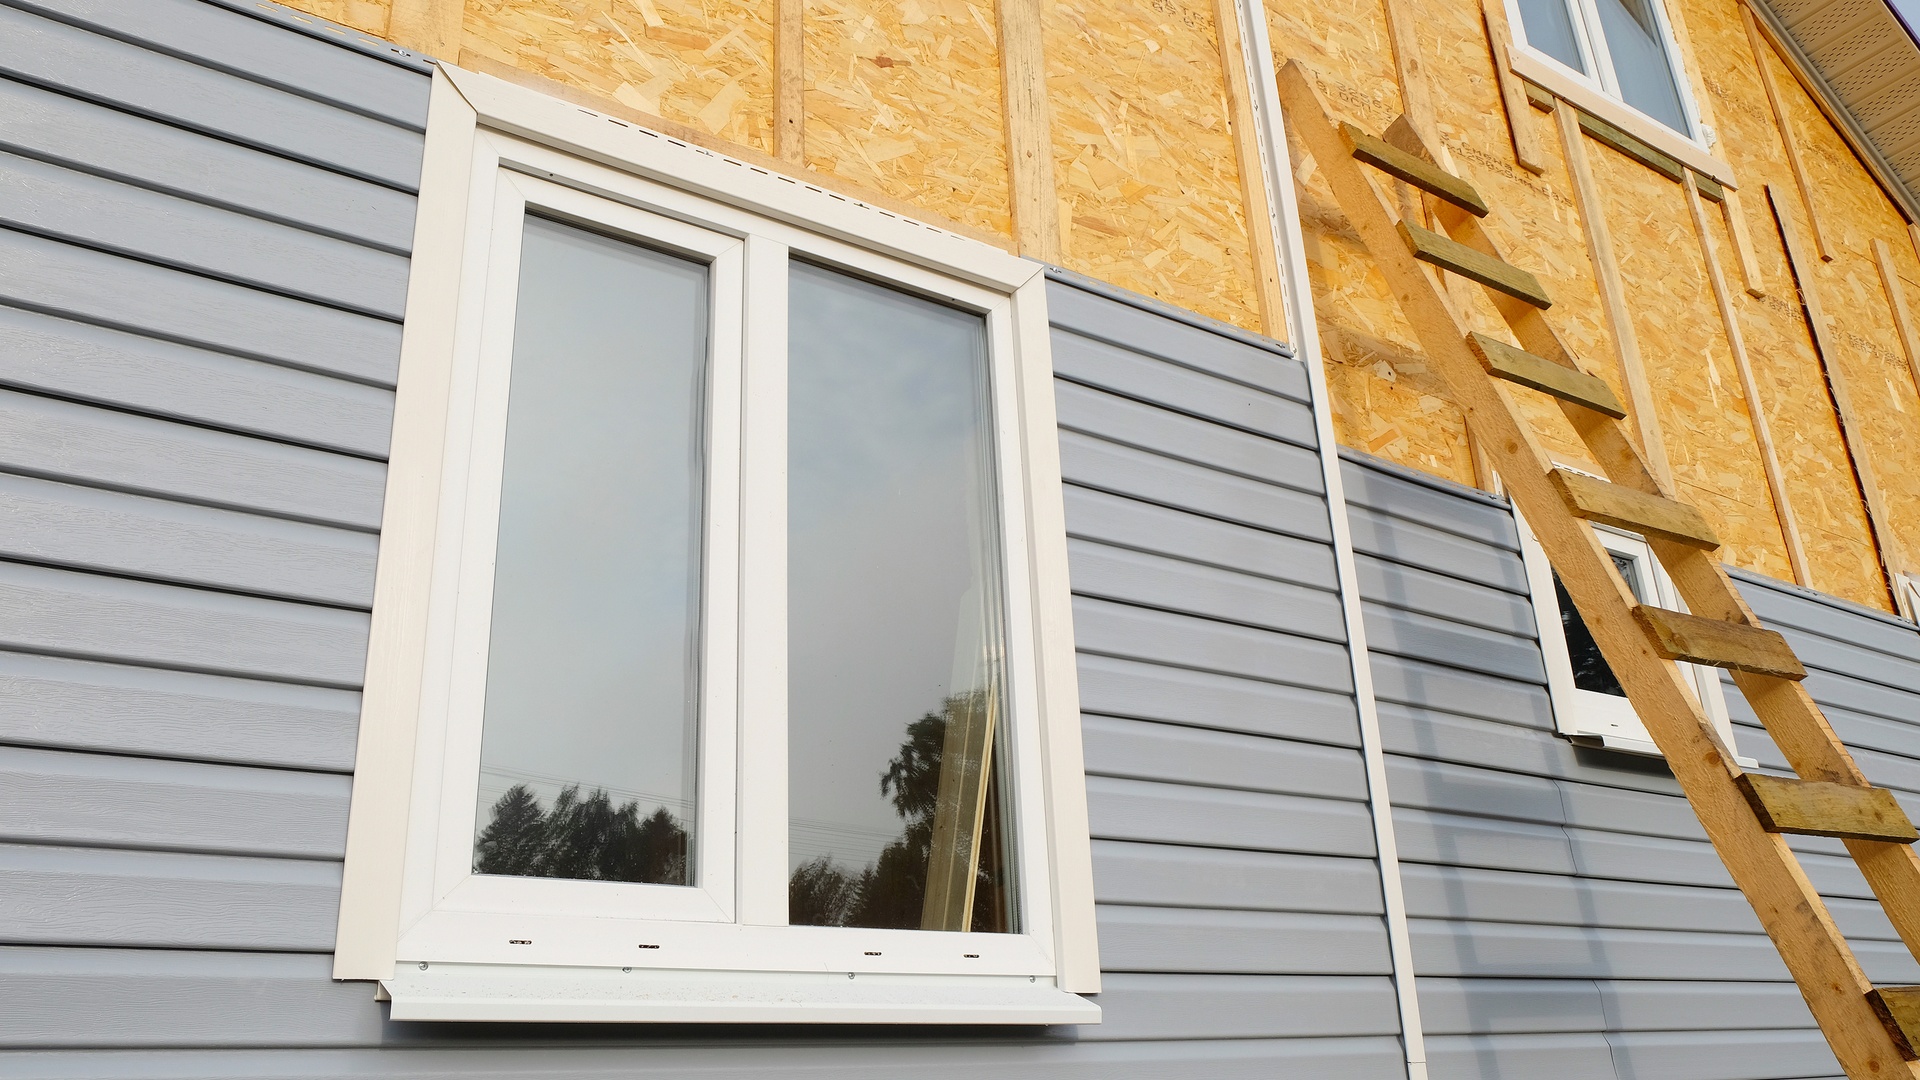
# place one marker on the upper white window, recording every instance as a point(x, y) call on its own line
point(1622, 48)
point(1588, 702)
point(721, 666)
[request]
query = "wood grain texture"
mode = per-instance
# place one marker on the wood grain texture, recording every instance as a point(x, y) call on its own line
point(1733, 209)
point(1899, 1007)
point(1522, 367)
point(1636, 511)
point(1897, 301)
point(789, 80)
point(1513, 95)
point(1690, 638)
point(1603, 132)
point(1763, 58)
point(1821, 808)
point(1401, 165)
point(1450, 255)
point(1261, 241)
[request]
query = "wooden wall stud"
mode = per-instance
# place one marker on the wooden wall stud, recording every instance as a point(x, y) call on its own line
point(1023, 72)
point(789, 80)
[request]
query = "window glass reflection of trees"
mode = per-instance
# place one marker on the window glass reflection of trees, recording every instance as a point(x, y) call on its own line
point(1590, 670)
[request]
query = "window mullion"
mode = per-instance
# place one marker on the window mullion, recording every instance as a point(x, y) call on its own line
point(1599, 56)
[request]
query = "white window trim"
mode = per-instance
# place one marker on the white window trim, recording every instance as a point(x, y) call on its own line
point(1602, 719)
point(1906, 595)
point(491, 147)
point(1589, 93)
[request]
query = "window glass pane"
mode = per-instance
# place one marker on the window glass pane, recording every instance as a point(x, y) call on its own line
point(894, 620)
point(1549, 28)
point(1640, 61)
point(1590, 670)
point(588, 744)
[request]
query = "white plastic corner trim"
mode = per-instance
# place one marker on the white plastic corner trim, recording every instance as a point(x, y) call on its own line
point(499, 993)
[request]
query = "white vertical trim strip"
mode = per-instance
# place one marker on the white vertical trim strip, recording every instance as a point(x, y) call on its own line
point(1283, 208)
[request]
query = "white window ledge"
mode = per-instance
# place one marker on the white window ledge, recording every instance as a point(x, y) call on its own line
point(1552, 77)
point(501, 993)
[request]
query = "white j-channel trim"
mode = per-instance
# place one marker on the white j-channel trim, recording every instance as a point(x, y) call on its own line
point(505, 994)
point(1284, 210)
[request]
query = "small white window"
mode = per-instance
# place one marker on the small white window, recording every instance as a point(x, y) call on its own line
point(722, 667)
point(1588, 704)
point(1622, 48)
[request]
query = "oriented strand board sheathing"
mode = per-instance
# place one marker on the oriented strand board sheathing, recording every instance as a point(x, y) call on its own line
point(705, 63)
point(1144, 164)
point(366, 16)
point(904, 97)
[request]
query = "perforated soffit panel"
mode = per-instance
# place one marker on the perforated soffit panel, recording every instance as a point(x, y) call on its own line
point(1871, 67)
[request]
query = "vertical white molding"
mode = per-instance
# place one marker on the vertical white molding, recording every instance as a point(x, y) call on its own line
point(1284, 210)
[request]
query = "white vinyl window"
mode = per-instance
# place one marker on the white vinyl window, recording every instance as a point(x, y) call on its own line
point(721, 666)
point(1622, 49)
point(1588, 704)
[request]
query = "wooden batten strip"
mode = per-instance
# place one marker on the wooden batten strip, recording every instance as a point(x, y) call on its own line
point(789, 80)
point(1708, 187)
point(1822, 808)
point(1887, 542)
point(1410, 70)
point(1595, 499)
point(1756, 410)
point(1539, 98)
point(1451, 255)
point(1538, 373)
point(1023, 81)
point(1603, 132)
point(1513, 94)
point(1902, 314)
point(1762, 48)
point(428, 27)
point(1734, 646)
point(1401, 165)
point(1899, 1009)
point(1257, 203)
point(1613, 294)
point(1736, 218)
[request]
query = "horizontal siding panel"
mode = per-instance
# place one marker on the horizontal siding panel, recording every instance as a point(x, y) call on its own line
point(1123, 420)
point(79, 208)
point(1426, 836)
point(1453, 644)
point(1512, 950)
point(41, 521)
point(1167, 875)
point(177, 91)
point(1116, 687)
point(96, 617)
point(61, 440)
point(63, 997)
point(51, 797)
point(55, 127)
point(1157, 1006)
point(139, 374)
point(1413, 543)
point(1510, 1006)
point(230, 41)
point(1465, 790)
point(885, 1056)
point(1414, 589)
point(1479, 1057)
point(1462, 512)
point(1182, 755)
point(1077, 311)
point(1254, 821)
point(1101, 626)
point(1693, 1006)
point(1723, 1055)
point(1171, 584)
point(1521, 748)
point(1125, 470)
point(1143, 526)
point(80, 704)
point(76, 896)
point(1649, 858)
point(1408, 681)
point(1253, 942)
point(1169, 386)
point(97, 287)
point(1779, 604)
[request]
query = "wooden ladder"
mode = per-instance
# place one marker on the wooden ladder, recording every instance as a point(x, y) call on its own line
point(1873, 1032)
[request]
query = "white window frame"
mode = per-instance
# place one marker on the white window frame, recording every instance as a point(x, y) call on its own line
point(1599, 93)
point(445, 943)
point(1599, 719)
point(1906, 595)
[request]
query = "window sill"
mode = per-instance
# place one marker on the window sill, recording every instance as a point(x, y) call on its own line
point(1551, 77)
point(503, 993)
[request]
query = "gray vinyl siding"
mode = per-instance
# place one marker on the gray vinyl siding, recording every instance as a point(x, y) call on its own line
point(205, 213)
point(1568, 915)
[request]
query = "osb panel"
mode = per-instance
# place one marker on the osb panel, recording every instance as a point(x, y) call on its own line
point(904, 97)
point(706, 63)
point(1701, 408)
point(366, 16)
point(1144, 164)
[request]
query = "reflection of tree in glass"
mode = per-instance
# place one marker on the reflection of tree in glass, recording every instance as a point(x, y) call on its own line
point(891, 891)
point(586, 838)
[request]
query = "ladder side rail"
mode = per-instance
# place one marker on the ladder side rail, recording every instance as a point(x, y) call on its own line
point(1789, 908)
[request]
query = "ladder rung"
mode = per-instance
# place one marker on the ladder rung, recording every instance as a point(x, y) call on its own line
point(1539, 373)
point(1624, 508)
point(1401, 165)
point(1679, 636)
point(1899, 1009)
point(1820, 808)
point(1448, 254)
